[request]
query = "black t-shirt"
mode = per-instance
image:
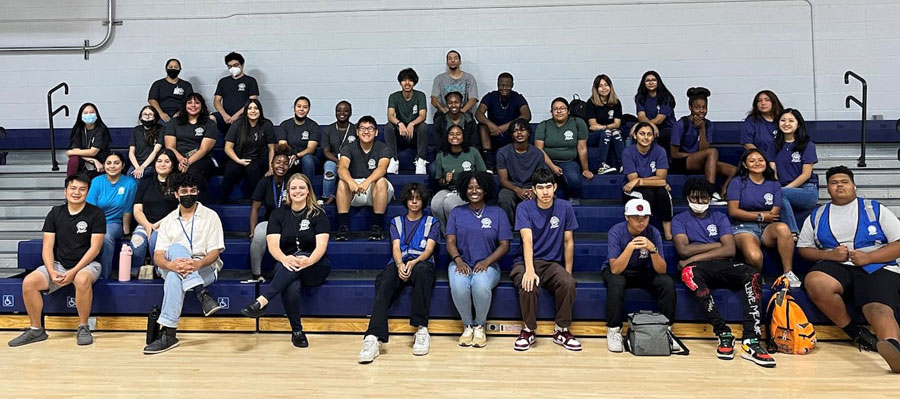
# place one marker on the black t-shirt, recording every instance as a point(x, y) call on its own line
point(170, 96)
point(604, 115)
point(85, 139)
point(73, 232)
point(138, 140)
point(157, 203)
point(298, 137)
point(258, 139)
point(333, 138)
point(362, 164)
point(292, 225)
point(267, 191)
point(236, 92)
point(189, 136)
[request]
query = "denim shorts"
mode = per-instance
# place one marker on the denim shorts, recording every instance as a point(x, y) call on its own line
point(754, 228)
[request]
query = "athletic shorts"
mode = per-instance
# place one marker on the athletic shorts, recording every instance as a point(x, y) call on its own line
point(366, 199)
point(93, 268)
point(883, 286)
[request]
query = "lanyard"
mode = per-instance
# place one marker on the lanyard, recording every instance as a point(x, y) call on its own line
point(300, 218)
point(277, 195)
point(190, 238)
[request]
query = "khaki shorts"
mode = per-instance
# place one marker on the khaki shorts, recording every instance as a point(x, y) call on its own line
point(93, 268)
point(366, 199)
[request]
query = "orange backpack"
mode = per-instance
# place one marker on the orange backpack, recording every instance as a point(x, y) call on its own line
point(789, 331)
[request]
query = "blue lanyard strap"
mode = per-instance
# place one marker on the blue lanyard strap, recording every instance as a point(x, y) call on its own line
point(277, 194)
point(190, 238)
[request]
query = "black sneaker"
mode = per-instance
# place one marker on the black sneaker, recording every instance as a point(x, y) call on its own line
point(209, 304)
point(376, 234)
point(253, 310)
point(725, 350)
point(343, 234)
point(162, 344)
point(889, 349)
point(298, 338)
point(865, 340)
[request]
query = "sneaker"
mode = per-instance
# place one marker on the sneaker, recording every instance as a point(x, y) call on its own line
point(754, 352)
point(479, 339)
point(298, 338)
point(614, 339)
point(793, 280)
point(725, 350)
point(30, 336)
point(889, 350)
point(865, 340)
point(343, 234)
point(165, 342)
point(209, 305)
point(371, 348)
point(604, 169)
point(566, 339)
point(253, 310)
point(393, 166)
point(717, 200)
point(672, 344)
point(524, 341)
point(83, 336)
point(420, 166)
point(256, 278)
point(422, 343)
point(376, 234)
point(466, 338)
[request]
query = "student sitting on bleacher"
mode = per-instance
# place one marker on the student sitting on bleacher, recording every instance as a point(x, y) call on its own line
point(705, 245)
point(495, 119)
point(113, 193)
point(155, 198)
point(335, 136)
point(414, 239)
point(454, 79)
point(302, 134)
point(187, 255)
point(855, 243)
point(145, 142)
point(646, 167)
point(455, 117)
point(691, 139)
point(516, 163)
point(564, 141)
point(232, 92)
point(192, 137)
point(478, 237)
point(406, 113)
point(73, 235)
point(604, 113)
point(635, 260)
point(754, 204)
point(758, 130)
point(793, 156)
point(454, 159)
point(655, 104)
point(271, 192)
point(362, 172)
point(249, 146)
point(167, 95)
point(297, 237)
point(547, 226)
point(88, 142)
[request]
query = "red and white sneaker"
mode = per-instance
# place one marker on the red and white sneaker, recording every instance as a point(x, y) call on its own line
point(566, 339)
point(524, 341)
point(725, 350)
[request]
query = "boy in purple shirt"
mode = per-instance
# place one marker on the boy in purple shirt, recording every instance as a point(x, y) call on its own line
point(546, 225)
point(635, 260)
point(705, 245)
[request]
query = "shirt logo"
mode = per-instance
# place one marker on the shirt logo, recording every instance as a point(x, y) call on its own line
point(351, 139)
point(199, 131)
point(554, 222)
point(242, 87)
point(371, 164)
point(872, 230)
point(769, 198)
point(568, 135)
point(652, 166)
point(423, 243)
point(795, 157)
point(304, 225)
point(415, 108)
point(121, 191)
point(774, 133)
point(712, 230)
point(305, 135)
point(467, 166)
point(178, 91)
point(611, 114)
point(644, 254)
point(486, 223)
point(81, 227)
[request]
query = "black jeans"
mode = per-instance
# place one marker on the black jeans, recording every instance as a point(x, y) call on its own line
point(419, 140)
point(659, 198)
point(388, 285)
point(234, 172)
point(701, 277)
point(288, 284)
point(660, 285)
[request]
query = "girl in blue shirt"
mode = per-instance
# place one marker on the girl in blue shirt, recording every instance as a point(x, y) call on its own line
point(792, 156)
point(114, 194)
point(758, 130)
point(655, 104)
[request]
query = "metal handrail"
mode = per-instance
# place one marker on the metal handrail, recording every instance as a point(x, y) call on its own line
point(862, 104)
point(86, 47)
point(51, 113)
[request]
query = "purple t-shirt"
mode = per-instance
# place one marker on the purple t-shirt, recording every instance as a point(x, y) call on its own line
point(618, 239)
point(547, 227)
point(789, 163)
point(501, 113)
point(758, 132)
point(409, 230)
point(755, 197)
point(651, 108)
point(689, 141)
point(708, 230)
point(645, 165)
point(476, 239)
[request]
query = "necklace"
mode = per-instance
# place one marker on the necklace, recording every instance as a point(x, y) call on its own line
point(479, 213)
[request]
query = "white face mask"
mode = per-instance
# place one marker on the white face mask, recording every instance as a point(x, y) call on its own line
point(235, 71)
point(698, 208)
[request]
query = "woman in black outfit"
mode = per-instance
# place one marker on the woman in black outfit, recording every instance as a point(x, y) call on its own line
point(88, 142)
point(249, 145)
point(145, 142)
point(192, 138)
point(155, 198)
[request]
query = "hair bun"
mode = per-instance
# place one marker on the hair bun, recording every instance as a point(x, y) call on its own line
point(698, 92)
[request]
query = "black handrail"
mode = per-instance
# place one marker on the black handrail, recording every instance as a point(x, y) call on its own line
point(51, 113)
point(862, 104)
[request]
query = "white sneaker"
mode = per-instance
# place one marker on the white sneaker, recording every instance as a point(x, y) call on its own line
point(614, 339)
point(479, 340)
point(466, 338)
point(604, 169)
point(393, 166)
point(371, 348)
point(420, 166)
point(717, 200)
point(423, 342)
point(674, 345)
point(793, 280)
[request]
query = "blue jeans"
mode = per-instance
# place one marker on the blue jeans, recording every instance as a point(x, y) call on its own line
point(140, 245)
point(611, 139)
point(308, 165)
point(329, 179)
point(176, 285)
point(475, 288)
point(570, 181)
point(113, 233)
point(796, 200)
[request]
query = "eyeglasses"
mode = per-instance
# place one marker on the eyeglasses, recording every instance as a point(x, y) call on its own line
point(560, 109)
point(367, 129)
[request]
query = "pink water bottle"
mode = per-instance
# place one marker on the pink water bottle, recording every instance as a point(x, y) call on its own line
point(125, 263)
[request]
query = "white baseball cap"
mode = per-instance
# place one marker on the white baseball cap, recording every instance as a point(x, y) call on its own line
point(637, 207)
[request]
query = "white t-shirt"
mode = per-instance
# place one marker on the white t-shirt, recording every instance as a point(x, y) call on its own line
point(843, 220)
point(204, 229)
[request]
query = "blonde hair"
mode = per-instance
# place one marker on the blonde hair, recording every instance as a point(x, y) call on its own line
point(311, 201)
point(595, 96)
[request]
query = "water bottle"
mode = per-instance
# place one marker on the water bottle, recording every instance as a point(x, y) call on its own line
point(125, 263)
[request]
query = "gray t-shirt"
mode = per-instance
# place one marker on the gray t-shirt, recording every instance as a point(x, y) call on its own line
point(843, 220)
point(465, 85)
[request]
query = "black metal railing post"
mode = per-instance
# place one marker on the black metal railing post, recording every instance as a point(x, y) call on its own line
point(862, 104)
point(50, 114)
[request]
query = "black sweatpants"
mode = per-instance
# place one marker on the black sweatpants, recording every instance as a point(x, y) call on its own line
point(234, 172)
point(660, 285)
point(659, 198)
point(419, 141)
point(701, 277)
point(288, 284)
point(388, 285)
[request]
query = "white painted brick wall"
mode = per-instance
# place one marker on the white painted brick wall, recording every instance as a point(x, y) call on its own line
point(353, 50)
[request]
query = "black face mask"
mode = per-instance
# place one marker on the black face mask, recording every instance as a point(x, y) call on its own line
point(148, 124)
point(173, 73)
point(188, 201)
point(299, 119)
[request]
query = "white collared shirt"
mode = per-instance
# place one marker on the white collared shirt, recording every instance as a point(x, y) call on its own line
point(207, 235)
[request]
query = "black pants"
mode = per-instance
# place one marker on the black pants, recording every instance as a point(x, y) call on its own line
point(660, 285)
point(665, 139)
point(388, 285)
point(701, 277)
point(659, 198)
point(288, 284)
point(394, 142)
point(508, 200)
point(205, 168)
point(234, 172)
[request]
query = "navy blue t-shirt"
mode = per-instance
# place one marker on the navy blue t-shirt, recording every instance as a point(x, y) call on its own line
point(789, 163)
point(651, 108)
point(707, 230)
point(758, 132)
point(754, 197)
point(547, 227)
point(501, 113)
point(618, 239)
point(645, 165)
point(689, 141)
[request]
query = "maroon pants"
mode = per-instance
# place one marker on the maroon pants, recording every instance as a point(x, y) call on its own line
point(554, 277)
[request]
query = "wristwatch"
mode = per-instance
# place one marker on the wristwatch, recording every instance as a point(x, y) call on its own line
point(653, 251)
point(759, 218)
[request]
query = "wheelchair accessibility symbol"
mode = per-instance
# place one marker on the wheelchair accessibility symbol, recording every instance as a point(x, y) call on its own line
point(70, 302)
point(9, 301)
point(223, 301)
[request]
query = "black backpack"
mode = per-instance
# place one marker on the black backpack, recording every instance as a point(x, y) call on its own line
point(578, 108)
